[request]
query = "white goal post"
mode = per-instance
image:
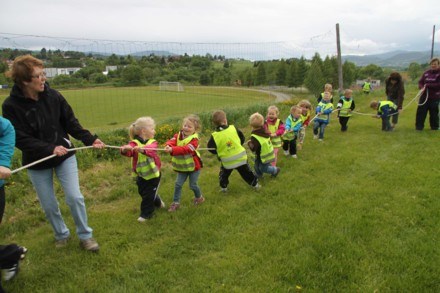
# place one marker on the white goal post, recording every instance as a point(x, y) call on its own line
point(170, 86)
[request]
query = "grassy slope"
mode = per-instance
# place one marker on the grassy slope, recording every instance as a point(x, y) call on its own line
point(357, 212)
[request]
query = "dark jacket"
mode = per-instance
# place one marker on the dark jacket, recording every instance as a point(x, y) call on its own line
point(431, 80)
point(42, 125)
point(395, 92)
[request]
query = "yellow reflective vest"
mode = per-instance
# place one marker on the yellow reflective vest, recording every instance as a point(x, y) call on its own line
point(184, 163)
point(346, 105)
point(266, 154)
point(146, 167)
point(229, 149)
point(276, 140)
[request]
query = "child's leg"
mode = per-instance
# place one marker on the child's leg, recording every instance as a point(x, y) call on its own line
point(322, 130)
point(268, 168)
point(275, 152)
point(293, 146)
point(247, 174)
point(315, 127)
point(258, 168)
point(147, 190)
point(286, 147)
point(180, 180)
point(224, 176)
point(193, 179)
point(343, 121)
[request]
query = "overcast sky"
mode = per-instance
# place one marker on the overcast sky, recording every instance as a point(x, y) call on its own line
point(366, 27)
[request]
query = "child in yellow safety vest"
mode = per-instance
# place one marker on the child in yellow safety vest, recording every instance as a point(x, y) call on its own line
point(275, 127)
point(385, 109)
point(260, 143)
point(227, 143)
point(146, 164)
point(292, 128)
point(345, 107)
point(306, 113)
point(186, 160)
point(322, 119)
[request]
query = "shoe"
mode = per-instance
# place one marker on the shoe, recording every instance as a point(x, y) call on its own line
point(89, 244)
point(173, 207)
point(277, 172)
point(315, 136)
point(256, 187)
point(321, 139)
point(199, 201)
point(224, 189)
point(286, 153)
point(9, 274)
point(61, 242)
point(141, 219)
point(295, 156)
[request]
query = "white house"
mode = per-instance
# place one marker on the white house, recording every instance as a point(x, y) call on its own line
point(52, 71)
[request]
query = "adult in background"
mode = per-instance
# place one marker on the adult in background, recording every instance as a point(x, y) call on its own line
point(395, 92)
point(429, 100)
point(43, 121)
point(11, 254)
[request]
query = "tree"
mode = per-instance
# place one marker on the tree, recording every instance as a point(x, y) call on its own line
point(302, 71)
point(261, 74)
point(371, 71)
point(281, 74)
point(349, 73)
point(292, 73)
point(132, 75)
point(314, 80)
point(414, 70)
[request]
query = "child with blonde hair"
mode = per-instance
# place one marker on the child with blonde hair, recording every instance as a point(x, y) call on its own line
point(328, 88)
point(306, 112)
point(276, 129)
point(142, 148)
point(260, 143)
point(291, 129)
point(227, 143)
point(385, 109)
point(345, 107)
point(186, 160)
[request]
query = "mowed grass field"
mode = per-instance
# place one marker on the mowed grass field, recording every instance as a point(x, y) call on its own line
point(357, 212)
point(107, 108)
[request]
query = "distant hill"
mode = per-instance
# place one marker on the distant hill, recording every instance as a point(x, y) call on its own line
point(395, 59)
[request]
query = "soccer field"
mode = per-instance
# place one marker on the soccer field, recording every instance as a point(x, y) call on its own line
point(105, 108)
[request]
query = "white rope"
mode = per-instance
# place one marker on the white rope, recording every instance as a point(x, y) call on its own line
point(157, 149)
point(47, 158)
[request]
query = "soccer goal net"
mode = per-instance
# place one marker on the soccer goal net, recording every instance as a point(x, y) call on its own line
point(170, 86)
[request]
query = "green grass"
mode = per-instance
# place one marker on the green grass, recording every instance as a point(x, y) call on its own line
point(107, 108)
point(357, 212)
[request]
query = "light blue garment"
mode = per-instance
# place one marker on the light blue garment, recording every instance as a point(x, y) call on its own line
point(7, 143)
point(180, 180)
point(261, 168)
point(67, 174)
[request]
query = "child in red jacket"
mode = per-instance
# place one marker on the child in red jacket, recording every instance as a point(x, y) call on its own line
point(186, 159)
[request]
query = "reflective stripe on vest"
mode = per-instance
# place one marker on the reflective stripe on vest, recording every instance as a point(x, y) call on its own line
point(276, 140)
point(184, 163)
point(146, 167)
point(229, 149)
point(266, 155)
point(346, 105)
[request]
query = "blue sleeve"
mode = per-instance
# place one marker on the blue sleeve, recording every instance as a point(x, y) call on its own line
point(297, 127)
point(7, 142)
point(385, 109)
point(287, 125)
point(329, 110)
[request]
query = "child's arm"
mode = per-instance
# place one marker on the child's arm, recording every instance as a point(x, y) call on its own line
point(128, 149)
point(254, 145)
point(281, 129)
point(241, 135)
point(287, 126)
point(385, 109)
point(329, 110)
point(297, 127)
point(212, 146)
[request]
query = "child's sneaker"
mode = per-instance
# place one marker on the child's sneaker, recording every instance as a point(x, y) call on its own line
point(295, 156)
point(224, 189)
point(141, 219)
point(321, 139)
point(277, 172)
point(286, 153)
point(9, 274)
point(315, 136)
point(89, 244)
point(60, 243)
point(256, 187)
point(199, 201)
point(173, 207)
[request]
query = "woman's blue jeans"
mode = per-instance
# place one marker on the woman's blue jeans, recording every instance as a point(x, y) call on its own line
point(67, 174)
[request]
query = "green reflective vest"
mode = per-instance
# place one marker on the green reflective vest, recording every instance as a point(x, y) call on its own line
point(146, 167)
point(276, 140)
point(324, 107)
point(366, 87)
point(290, 135)
point(229, 149)
point(266, 155)
point(346, 105)
point(184, 163)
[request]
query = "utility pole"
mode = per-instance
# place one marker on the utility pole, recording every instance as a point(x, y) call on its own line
point(338, 46)
point(432, 45)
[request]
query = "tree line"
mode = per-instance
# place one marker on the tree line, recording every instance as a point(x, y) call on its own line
point(205, 70)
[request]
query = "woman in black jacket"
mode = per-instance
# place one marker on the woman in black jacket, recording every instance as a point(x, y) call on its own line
point(395, 92)
point(43, 121)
